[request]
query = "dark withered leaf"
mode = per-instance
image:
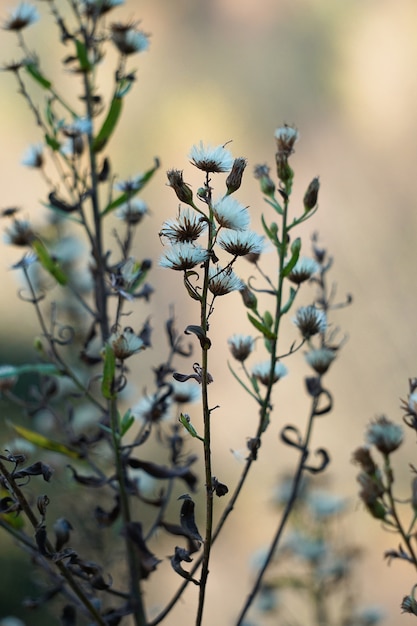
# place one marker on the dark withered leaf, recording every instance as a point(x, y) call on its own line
point(162, 472)
point(205, 342)
point(187, 520)
point(37, 469)
point(60, 204)
point(42, 503)
point(69, 616)
point(313, 384)
point(325, 460)
point(107, 518)
point(146, 333)
point(105, 170)
point(8, 505)
point(253, 444)
point(41, 540)
point(179, 531)
point(147, 560)
point(182, 555)
point(88, 481)
point(292, 437)
point(220, 489)
point(92, 571)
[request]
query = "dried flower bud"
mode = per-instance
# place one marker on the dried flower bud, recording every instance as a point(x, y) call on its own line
point(249, 299)
point(286, 136)
point(362, 456)
point(385, 435)
point(311, 195)
point(234, 180)
point(182, 190)
point(370, 494)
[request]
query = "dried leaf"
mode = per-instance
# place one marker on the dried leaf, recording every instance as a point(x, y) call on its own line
point(187, 518)
point(88, 481)
point(162, 472)
point(182, 555)
point(37, 469)
point(148, 561)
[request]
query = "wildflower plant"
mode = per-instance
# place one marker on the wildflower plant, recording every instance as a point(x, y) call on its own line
point(84, 285)
point(384, 439)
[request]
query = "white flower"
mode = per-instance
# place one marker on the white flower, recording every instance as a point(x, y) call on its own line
point(127, 39)
point(23, 15)
point(33, 157)
point(80, 126)
point(183, 256)
point(188, 226)
point(240, 243)
point(384, 435)
point(132, 211)
point(369, 616)
point(100, 7)
point(241, 346)
point(303, 270)
point(151, 409)
point(320, 359)
point(211, 159)
point(183, 393)
point(125, 343)
point(310, 321)
point(262, 372)
point(223, 281)
point(325, 504)
point(130, 185)
point(308, 548)
point(229, 213)
point(20, 233)
point(286, 136)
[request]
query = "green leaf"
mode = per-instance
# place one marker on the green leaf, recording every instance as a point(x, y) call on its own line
point(48, 263)
point(245, 387)
point(126, 422)
point(109, 370)
point(288, 304)
point(45, 443)
point(109, 124)
point(295, 253)
point(82, 55)
point(52, 142)
point(185, 421)
point(268, 319)
point(46, 369)
point(124, 197)
point(34, 71)
point(261, 327)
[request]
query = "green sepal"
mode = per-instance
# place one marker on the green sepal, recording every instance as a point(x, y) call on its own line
point(191, 291)
point(44, 442)
point(295, 253)
point(48, 263)
point(124, 197)
point(189, 427)
point(33, 70)
point(267, 333)
point(109, 124)
point(109, 369)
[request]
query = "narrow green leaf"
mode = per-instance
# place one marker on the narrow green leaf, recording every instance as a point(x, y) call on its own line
point(45, 443)
point(261, 327)
point(295, 253)
point(52, 142)
point(109, 369)
point(185, 421)
point(124, 197)
point(126, 422)
point(48, 263)
point(288, 304)
point(109, 124)
point(245, 387)
point(34, 71)
point(82, 55)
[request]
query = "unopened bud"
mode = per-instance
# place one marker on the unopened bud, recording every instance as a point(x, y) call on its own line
point(182, 190)
point(234, 180)
point(284, 171)
point(267, 184)
point(249, 299)
point(311, 195)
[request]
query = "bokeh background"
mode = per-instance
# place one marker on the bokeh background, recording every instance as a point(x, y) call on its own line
point(344, 73)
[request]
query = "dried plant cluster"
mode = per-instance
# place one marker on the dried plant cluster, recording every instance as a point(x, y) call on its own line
point(96, 559)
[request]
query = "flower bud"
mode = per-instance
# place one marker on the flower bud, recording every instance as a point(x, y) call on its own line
point(234, 180)
point(249, 299)
point(284, 171)
point(261, 173)
point(311, 195)
point(182, 190)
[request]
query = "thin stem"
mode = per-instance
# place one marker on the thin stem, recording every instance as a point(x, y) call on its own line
point(289, 506)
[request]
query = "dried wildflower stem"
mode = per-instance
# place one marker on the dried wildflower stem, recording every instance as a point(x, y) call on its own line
point(132, 561)
point(393, 509)
point(207, 430)
point(284, 519)
point(66, 574)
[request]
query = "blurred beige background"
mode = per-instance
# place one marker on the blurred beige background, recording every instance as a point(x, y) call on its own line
point(343, 71)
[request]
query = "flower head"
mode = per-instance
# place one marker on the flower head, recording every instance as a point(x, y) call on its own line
point(186, 392)
point(229, 213)
point(182, 189)
point(262, 372)
point(320, 359)
point(132, 211)
point(286, 136)
point(211, 159)
point(234, 180)
point(23, 15)
point(303, 270)
point(131, 185)
point(223, 281)
point(33, 156)
point(125, 343)
point(151, 408)
point(240, 243)
point(241, 346)
point(384, 435)
point(94, 8)
point(183, 256)
point(310, 321)
point(188, 226)
point(127, 39)
point(20, 233)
